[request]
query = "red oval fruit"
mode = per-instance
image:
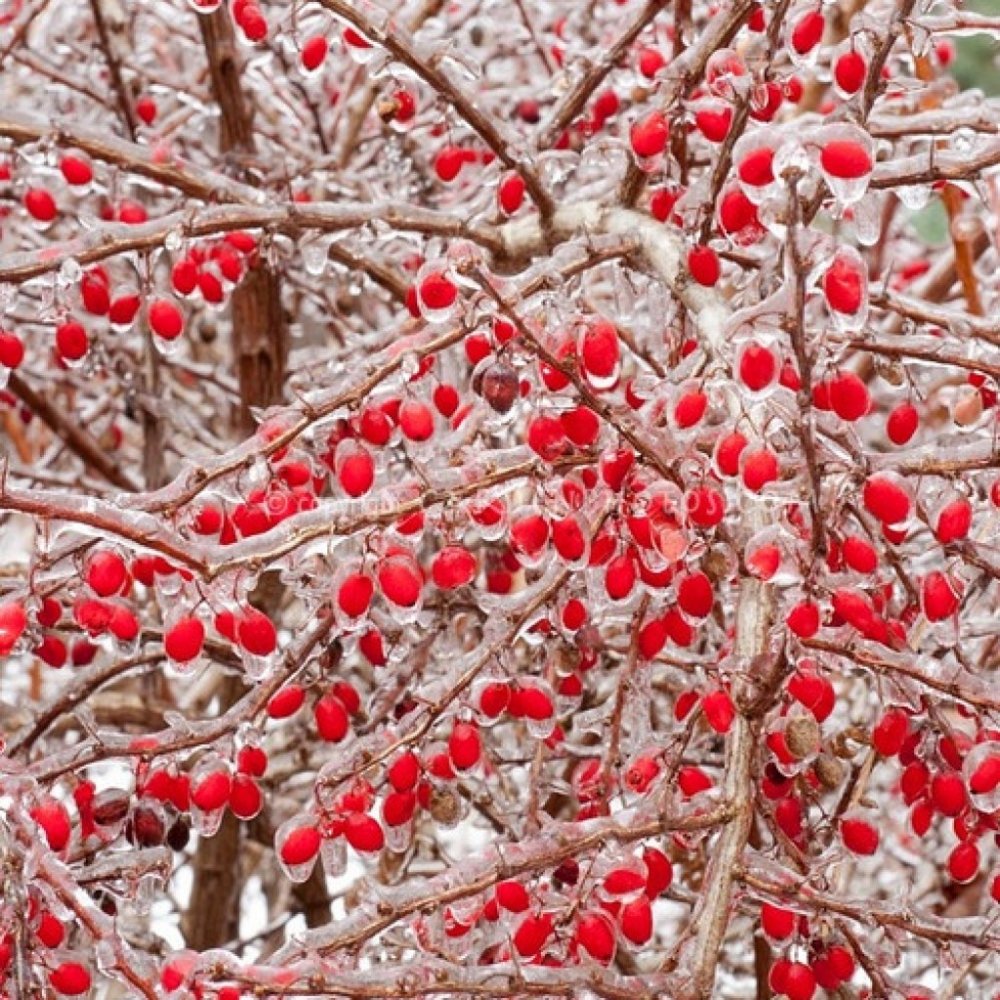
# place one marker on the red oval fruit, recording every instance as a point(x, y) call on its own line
point(703, 265)
point(850, 71)
point(859, 836)
point(165, 319)
point(301, 845)
point(454, 566)
point(183, 641)
point(902, 423)
point(845, 159)
point(71, 979)
point(649, 135)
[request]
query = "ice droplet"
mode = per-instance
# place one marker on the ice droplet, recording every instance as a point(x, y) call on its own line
point(69, 272)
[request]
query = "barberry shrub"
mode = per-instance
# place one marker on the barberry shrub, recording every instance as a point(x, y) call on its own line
point(499, 499)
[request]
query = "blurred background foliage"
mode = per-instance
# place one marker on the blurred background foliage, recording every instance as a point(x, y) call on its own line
point(976, 66)
point(976, 56)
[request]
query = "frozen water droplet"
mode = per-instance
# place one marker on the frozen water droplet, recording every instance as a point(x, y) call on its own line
point(333, 855)
point(315, 255)
point(69, 272)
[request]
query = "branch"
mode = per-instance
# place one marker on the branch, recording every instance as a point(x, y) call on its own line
point(577, 96)
point(401, 45)
point(497, 863)
point(660, 245)
point(289, 218)
point(146, 161)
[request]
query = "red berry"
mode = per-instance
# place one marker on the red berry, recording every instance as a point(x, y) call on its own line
point(690, 408)
point(183, 641)
point(736, 211)
point(649, 135)
point(963, 862)
point(146, 109)
point(703, 265)
point(51, 815)
point(596, 936)
point(651, 61)
point(71, 979)
point(532, 933)
point(948, 793)
point(464, 746)
point(166, 319)
point(285, 702)
point(76, 170)
point(728, 451)
point(849, 396)
point(756, 168)
point(758, 367)
point(355, 594)
point(106, 573)
point(40, 204)
point(599, 349)
point(245, 797)
point(511, 193)
point(886, 499)
point(620, 576)
point(714, 121)
point(760, 467)
point(300, 846)
point(777, 922)
point(454, 566)
point(807, 32)
point(695, 595)
point(850, 71)
point(636, 920)
point(804, 619)
point(705, 507)
point(890, 734)
point(71, 341)
point(331, 718)
point(902, 423)
point(355, 471)
point(437, 291)
point(859, 836)
point(546, 437)
point(11, 350)
point(449, 162)
point(512, 896)
point(798, 982)
point(314, 52)
point(954, 521)
point(252, 760)
point(719, 711)
point(401, 580)
point(212, 791)
point(363, 833)
point(416, 420)
point(95, 291)
point(940, 596)
point(845, 159)
point(256, 633)
point(843, 284)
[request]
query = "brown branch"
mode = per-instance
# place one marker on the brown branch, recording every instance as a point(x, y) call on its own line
point(497, 863)
point(685, 74)
point(577, 96)
point(75, 437)
point(400, 44)
point(145, 161)
point(290, 218)
point(362, 104)
point(797, 891)
point(109, 30)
